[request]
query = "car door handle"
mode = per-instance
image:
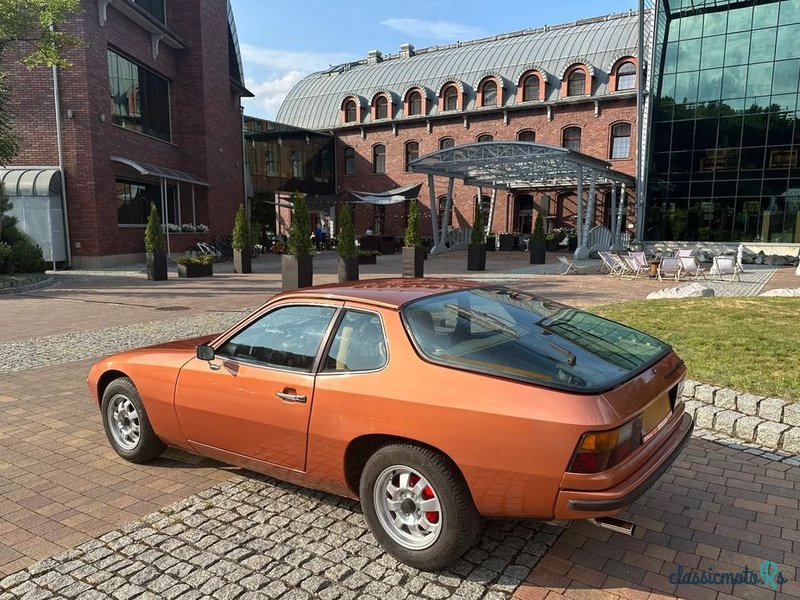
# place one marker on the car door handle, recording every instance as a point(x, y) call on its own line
point(291, 397)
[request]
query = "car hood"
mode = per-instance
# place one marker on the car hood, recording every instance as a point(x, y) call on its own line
point(185, 344)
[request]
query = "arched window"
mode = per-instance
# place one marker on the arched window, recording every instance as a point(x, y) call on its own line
point(349, 161)
point(626, 76)
point(572, 139)
point(530, 88)
point(415, 103)
point(350, 112)
point(576, 84)
point(446, 142)
point(621, 140)
point(489, 94)
point(526, 135)
point(412, 153)
point(379, 158)
point(381, 107)
point(297, 164)
point(451, 98)
point(485, 137)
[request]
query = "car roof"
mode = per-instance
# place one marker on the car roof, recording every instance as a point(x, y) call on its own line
point(390, 293)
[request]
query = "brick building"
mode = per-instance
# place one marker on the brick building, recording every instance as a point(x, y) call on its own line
point(571, 85)
point(148, 112)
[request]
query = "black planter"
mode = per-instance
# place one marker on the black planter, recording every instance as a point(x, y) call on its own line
point(413, 261)
point(552, 245)
point(506, 241)
point(573, 244)
point(195, 270)
point(538, 251)
point(476, 257)
point(242, 261)
point(157, 266)
point(297, 271)
point(348, 269)
point(367, 259)
point(490, 243)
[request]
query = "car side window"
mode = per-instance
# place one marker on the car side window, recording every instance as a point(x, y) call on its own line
point(359, 344)
point(288, 337)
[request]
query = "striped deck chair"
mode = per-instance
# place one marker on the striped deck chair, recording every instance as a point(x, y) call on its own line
point(726, 265)
point(669, 266)
point(571, 267)
point(609, 265)
point(690, 267)
point(635, 268)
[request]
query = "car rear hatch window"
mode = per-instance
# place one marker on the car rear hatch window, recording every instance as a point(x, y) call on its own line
point(521, 336)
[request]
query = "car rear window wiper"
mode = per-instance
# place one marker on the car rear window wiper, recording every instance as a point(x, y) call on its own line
point(483, 318)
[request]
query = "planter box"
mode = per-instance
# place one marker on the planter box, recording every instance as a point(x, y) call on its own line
point(413, 261)
point(538, 252)
point(490, 243)
point(506, 241)
point(157, 266)
point(573, 244)
point(552, 245)
point(195, 270)
point(348, 269)
point(370, 259)
point(242, 261)
point(476, 257)
point(297, 271)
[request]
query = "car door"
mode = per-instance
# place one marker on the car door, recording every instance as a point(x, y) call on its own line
point(254, 399)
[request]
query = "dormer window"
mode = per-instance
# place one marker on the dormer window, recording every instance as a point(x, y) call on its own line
point(626, 76)
point(350, 112)
point(450, 96)
point(489, 94)
point(576, 84)
point(381, 107)
point(414, 103)
point(530, 88)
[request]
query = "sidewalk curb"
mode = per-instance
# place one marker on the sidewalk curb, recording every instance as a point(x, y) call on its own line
point(770, 422)
point(47, 281)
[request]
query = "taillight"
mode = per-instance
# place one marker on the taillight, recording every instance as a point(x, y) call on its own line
point(601, 450)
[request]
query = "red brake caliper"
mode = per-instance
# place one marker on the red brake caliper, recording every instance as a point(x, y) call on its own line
point(427, 494)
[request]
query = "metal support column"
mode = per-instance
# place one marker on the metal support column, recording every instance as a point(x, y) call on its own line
point(488, 224)
point(622, 211)
point(434, 211)
point(588, 222)
point(581, 252)
point(614, 236)
point(448, 208)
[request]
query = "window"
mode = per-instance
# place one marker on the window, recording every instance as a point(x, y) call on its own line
point(489, 94)
point(530, 88)
point(412, 152)
point(572, 139)
point(381, 108)
point(626, 76)
point(154, 8)
point(288, 337)
point(349, 161)
point(620, 140)
point(415, 103)
point(379, 158)
point(133, 201)
point(297, 164)
point(576, 84)
point(269, 158)
point(485, 137)
point(446, 142)
point(139, 98)
point(526, 135)
point(451, 98)
point(359, 344)
point(350, 112)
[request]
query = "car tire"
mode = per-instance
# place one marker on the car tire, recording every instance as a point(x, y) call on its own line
point(126, 423)
point(394, 498)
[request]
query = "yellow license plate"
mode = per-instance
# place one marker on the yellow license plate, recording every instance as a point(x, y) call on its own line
point(655, 416)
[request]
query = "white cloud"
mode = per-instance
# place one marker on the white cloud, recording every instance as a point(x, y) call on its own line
point(288, 59)
point(269, 93)
point(439, 30)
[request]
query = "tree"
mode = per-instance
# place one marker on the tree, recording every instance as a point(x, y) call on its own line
point(478, 236)
point(27, 31)
point(346, 246)
point(154, 233)
point(412, 238)
point(538, 228)
point(240, 236)
point(300, 231)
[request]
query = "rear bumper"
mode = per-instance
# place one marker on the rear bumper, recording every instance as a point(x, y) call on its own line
point(572, 504)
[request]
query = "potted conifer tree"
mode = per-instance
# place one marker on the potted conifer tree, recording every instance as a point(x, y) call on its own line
point(240, 242)
point(154, 247)
point(297, 262)
point(538, 243)
point(346, 247)
point(413, 252)
point(476, 250)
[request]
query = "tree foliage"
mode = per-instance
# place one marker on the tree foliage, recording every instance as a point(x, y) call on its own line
point(240, 238)
point(18, 252)
point(346, 245)
point(478, 236)
point(412, 237)
point(300, 231)
point(538, 228)
point(154, 232)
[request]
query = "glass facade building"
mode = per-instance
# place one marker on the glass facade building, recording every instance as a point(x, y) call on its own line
point(724, 136)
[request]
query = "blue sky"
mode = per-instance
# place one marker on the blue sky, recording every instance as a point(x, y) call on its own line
point(282, 41)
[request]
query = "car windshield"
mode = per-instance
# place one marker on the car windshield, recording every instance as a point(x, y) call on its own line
point(522, 336)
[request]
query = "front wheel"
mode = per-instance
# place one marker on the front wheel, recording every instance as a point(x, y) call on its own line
point(127, 426)
point(418, 506)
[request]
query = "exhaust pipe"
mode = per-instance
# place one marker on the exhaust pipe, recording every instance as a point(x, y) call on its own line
point(615, 525)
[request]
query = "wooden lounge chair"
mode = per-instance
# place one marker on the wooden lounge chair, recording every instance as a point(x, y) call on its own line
point(669, 266)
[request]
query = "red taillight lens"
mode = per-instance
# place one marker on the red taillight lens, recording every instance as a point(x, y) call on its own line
point(601, 450)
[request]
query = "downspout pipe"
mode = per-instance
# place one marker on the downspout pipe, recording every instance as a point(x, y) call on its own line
point(60, 145)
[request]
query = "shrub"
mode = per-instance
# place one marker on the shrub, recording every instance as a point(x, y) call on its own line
point(478, 236)
point(200, 259)
point(27, 256)
point(538, 228)
point(153, 233)
point(411, 237)
point(240, 238)
point(6, 259)
point(300, 231)
point(346, 246)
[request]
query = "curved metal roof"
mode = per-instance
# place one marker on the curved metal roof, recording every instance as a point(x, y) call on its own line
point(31, 181)
point(315, 101)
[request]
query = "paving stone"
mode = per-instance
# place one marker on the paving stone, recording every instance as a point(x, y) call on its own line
point(791, 414)
point(791, 443)
point(769, 433)
point(746, 427)
point(771, 409)
point(725, 421)
point(705, 393)
point(704, 416)
point(691, 406)
point(748, 404)
point(725, 398)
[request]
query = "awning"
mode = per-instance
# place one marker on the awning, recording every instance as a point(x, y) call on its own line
point(161, 172)
point(31, 181)
point(318, 203)
point(393, 196)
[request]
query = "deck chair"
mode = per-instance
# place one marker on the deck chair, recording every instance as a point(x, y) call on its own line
point(684, 253)
point(571, 267)
point(726, 265)
point(609, 265)
point(669, 266)
point(623, 269)
point(634, 267)
point(690, 267)
point(641, 258)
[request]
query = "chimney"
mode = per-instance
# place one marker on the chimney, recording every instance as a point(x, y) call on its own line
point(374, 57)
point(406, 51)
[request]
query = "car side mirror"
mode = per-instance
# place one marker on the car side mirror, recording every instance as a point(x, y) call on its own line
point(205, 352)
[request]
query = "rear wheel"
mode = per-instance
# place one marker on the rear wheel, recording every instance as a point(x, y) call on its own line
point(418, 507)
point(127, 426)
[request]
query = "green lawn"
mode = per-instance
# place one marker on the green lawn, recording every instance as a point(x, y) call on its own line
point(20, 279)
point(749, 344)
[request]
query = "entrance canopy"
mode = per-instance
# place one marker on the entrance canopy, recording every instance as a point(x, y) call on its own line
point(161, 172)
point(393, 196)
point(510, 165)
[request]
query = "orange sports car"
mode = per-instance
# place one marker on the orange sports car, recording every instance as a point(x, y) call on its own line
point(432, 401)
